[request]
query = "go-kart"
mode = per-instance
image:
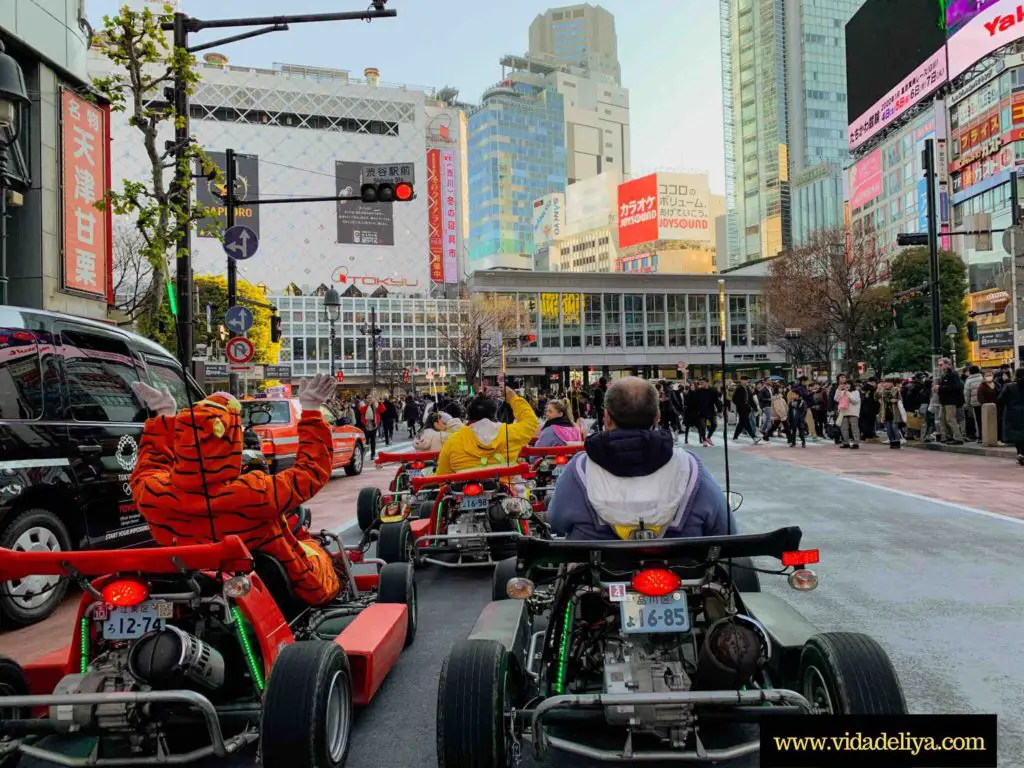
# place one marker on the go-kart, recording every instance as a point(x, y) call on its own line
point(399, 501)
point(475, 516)
point(185, 652)
point(641, 650)
point(548, 464)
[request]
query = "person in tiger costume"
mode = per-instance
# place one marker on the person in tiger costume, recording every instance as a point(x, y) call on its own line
point(185, 503)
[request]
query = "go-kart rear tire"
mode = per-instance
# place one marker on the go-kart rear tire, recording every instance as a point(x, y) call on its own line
point(368, 504)
point(849, 673)
point(425, 510)
point(395, 542)
point(12, 683)
point(397, 585)
point(743, 575)
point(307, 707)
point(472, 695)
point(503, 572)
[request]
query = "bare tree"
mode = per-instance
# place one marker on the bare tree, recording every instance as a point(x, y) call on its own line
point(472, 340)
point(825, 289)
point(390, 370)
point(133, 273)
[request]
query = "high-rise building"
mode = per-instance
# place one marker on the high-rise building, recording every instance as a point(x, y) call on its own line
point(784, 77)
point(757, 163)
point(516, 149)
point(578, 35)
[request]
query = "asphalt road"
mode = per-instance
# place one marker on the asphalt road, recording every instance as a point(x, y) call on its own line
point(938, 585)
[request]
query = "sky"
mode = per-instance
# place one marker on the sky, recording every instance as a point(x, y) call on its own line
point(668, 50)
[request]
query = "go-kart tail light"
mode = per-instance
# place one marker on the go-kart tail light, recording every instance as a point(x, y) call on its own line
point(803, 580)
point(655, 582)
point(561, 460)
point(473, 489)
point(237, 586)
point(124, 593)
point(267, 447)
point(519, 588)
point(417, 465)
point(800, 557)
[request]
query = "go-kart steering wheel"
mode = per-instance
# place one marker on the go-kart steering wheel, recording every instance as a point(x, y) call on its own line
point(302, 519)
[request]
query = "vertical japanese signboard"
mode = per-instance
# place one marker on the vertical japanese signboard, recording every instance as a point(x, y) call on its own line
point(85, 177)
point(434, 206)
point(448, 221)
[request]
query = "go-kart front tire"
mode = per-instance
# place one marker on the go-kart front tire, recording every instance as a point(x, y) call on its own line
point(395, 542)
point(472, 696)
point(504, 571)
point(425, 510)
point(368, 504)
point(397, 584)
point(307, 707)
point(849, 673)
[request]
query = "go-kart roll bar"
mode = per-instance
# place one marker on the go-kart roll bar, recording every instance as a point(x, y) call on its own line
point(484, 473)
point(218, 745)
point(532, 451)
point(401, 458)
point(229, 555)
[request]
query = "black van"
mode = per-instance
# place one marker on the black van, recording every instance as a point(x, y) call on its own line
point(69, 434)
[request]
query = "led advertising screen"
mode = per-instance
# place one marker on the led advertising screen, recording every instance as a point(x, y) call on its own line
point(998, 24)
point(886, 41)
point(959, 12)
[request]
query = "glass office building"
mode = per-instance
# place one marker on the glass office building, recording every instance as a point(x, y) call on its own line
point(517, 154)
point(817, 201)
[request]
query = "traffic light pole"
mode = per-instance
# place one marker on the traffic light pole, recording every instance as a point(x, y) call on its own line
point(933, 249)
point(230, 177)
point(1014, 283)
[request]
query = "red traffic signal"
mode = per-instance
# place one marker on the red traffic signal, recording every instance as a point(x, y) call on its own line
point(528, 338)
point(403, 192)
point(340, 376)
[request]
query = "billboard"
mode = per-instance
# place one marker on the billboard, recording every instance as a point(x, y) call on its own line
point(866, 180)
point(638, 211)
point(361, 223)
point(886, 41)
point(684, 201)
point(548, 219)
point(85, 176)
point(589, 202)
point(922, 82)
point(959, 12)
point(434, 215)
point(999, 24)
point(247, 187)
point(449, 225)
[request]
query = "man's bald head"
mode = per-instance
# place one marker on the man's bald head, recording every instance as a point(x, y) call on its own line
point(631, 403)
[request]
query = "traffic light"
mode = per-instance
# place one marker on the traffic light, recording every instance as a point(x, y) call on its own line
point(275, 329)
point(527, 339)
point(911, 239)
point(972, 331)
point(402, 192)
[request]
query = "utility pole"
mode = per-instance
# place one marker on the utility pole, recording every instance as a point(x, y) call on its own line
point(230, 177)
point(376, 332)
point(1015, 286)
point(180, 190)
point(933, 250)
point(480, 357)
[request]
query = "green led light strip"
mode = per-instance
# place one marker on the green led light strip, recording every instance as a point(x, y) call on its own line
point(83, 661)
point(250, 654)
point(563, 650)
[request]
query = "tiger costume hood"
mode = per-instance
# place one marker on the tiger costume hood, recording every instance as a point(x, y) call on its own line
point(188, 486)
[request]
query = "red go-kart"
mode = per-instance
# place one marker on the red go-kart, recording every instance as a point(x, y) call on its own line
point(374, 505)
point(475, 516)
point(185, 652)
point(547, 465)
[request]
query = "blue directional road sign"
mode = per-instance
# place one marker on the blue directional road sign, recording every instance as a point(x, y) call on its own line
point(238, 319)
point(240, 242)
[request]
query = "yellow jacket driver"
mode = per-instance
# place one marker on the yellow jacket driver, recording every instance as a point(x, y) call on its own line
point(484, 442)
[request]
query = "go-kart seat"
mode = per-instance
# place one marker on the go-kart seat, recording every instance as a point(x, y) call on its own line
point(274, 576)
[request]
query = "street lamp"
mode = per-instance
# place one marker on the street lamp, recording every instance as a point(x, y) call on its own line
point(13, 95)
point(332, 305)
point(374, 332)
point(951, 331)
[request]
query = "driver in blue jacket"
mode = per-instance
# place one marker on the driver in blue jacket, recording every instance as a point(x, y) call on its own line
point(631, 472)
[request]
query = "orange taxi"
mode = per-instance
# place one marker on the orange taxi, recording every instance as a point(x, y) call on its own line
point(279, 437)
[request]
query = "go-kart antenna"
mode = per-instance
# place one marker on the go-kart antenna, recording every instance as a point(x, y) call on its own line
point(173, 301)
point(725, 409)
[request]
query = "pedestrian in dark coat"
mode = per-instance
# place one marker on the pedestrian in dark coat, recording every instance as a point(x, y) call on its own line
point(1012, 400)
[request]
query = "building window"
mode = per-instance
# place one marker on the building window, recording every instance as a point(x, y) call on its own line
point(758, 321)
point(634, 312)
point(698, 309)
point(571, 308)
point(714, 327)
point(677, 320)
point(655, 320)
point(612, 320)
point(738, 321)
point(592, 319)
point(550, 327)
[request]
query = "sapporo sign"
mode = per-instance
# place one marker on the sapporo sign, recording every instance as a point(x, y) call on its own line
point(247, 187)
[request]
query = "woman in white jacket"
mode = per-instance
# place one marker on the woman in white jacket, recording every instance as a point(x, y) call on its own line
point(848, 405)
point(442, 425)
